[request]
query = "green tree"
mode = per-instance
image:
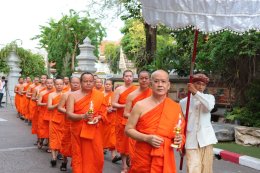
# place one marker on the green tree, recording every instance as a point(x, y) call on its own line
point(31, 64)
point(128, 10)
point(112, 54)
point(61, 39)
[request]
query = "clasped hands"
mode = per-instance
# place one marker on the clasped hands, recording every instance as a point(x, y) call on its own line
point(110, 109)
point(157, 141)
point(91, 117)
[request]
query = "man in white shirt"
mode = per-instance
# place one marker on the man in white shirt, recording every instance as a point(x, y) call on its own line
point(2, 90)
point(200, 133)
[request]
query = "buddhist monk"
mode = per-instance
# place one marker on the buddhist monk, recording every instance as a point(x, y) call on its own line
point(35, 113)
point(152, 124)
point(66, 81)
point(87, 110)
point(44, 114)
point(56, 120)
point(24, 101)
point(66, 133)
point(109, 140)
point(141, 93)
point(99, 85)
point(17, 95)
point(119, 101)
point(31, 104)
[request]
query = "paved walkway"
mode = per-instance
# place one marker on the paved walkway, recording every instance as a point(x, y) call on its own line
point(19, 155)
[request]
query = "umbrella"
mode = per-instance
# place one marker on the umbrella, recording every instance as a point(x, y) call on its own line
point(207, 16)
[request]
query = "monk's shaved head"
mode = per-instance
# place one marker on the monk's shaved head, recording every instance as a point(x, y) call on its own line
point(160, 72)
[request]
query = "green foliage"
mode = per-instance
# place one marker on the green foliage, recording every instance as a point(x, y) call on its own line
point(31, 64)
point(133, 41)
point(249, 115)
point(112, 54)
point(133, 45)
point(61, 39)
point(165, 57)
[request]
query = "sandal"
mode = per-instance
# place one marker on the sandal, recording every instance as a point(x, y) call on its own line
point(63, 166)
point(53, 162)
point(39, 144)
point(115, 159)
point(48, 150)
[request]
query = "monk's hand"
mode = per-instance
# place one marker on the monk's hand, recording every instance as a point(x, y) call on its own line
point(84, 116)
point(155, 141)
point(177, 140)
point(109, 109)
point(95, 120)
point(89, 116)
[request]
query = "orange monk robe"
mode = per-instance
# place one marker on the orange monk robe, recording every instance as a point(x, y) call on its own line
point(109, 140)
point(122, 141)
point(66, 88)
point(24, 101)
point(32, 105)
point(27, 104)
point(146, 93)
point(66, 137)
point(44, 117)
point(101, 89)
point(161, 121)
point(87, 150)
point(17, 99)
point(35, 115)
point(56, 124)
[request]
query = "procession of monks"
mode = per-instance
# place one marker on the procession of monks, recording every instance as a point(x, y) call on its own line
point(83, 118)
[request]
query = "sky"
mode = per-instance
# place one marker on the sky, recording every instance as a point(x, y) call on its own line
point(20, 19)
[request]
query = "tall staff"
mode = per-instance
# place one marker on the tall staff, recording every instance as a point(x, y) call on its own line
point(196, 33)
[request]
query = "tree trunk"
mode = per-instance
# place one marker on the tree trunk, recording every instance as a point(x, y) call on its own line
point(73, 56)
point(150, 33)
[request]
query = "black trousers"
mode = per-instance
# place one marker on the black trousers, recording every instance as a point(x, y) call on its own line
point(1, 98)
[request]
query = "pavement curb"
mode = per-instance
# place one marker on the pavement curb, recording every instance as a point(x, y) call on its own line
point(237, 158)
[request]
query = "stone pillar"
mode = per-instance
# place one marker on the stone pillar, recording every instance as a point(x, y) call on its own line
point(86, 59)
point(14, 74)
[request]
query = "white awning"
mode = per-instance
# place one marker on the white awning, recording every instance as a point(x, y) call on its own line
point(205, 15)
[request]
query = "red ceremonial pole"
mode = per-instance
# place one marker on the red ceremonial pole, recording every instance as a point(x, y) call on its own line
point(196, 32)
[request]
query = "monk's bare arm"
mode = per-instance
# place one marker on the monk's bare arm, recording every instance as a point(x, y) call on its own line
point(70, 109)
point(29, 92)
point(16, 89)
point(49, 103)
point(34, 94)
point(115, 99)
point(61, 105)
point(21, 90)
point(130, 130)
point(128, 106)
point(39, 102)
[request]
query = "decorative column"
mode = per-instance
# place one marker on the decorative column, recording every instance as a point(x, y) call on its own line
point(14, 74)
point(86, 59)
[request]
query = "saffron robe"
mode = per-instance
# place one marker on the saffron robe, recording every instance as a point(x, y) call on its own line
point(160, 121)
point(24, 101)
point(44, 117)
point(56, 124)
point(86, 139)
point(32, 105)
point(17, 99)
point(122, 141)
point(66, 137)
point(109, 140)
point(35, 114)
point(146, 93)
point(66, 88)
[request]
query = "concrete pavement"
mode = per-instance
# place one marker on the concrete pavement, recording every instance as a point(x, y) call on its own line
point(19, 155)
